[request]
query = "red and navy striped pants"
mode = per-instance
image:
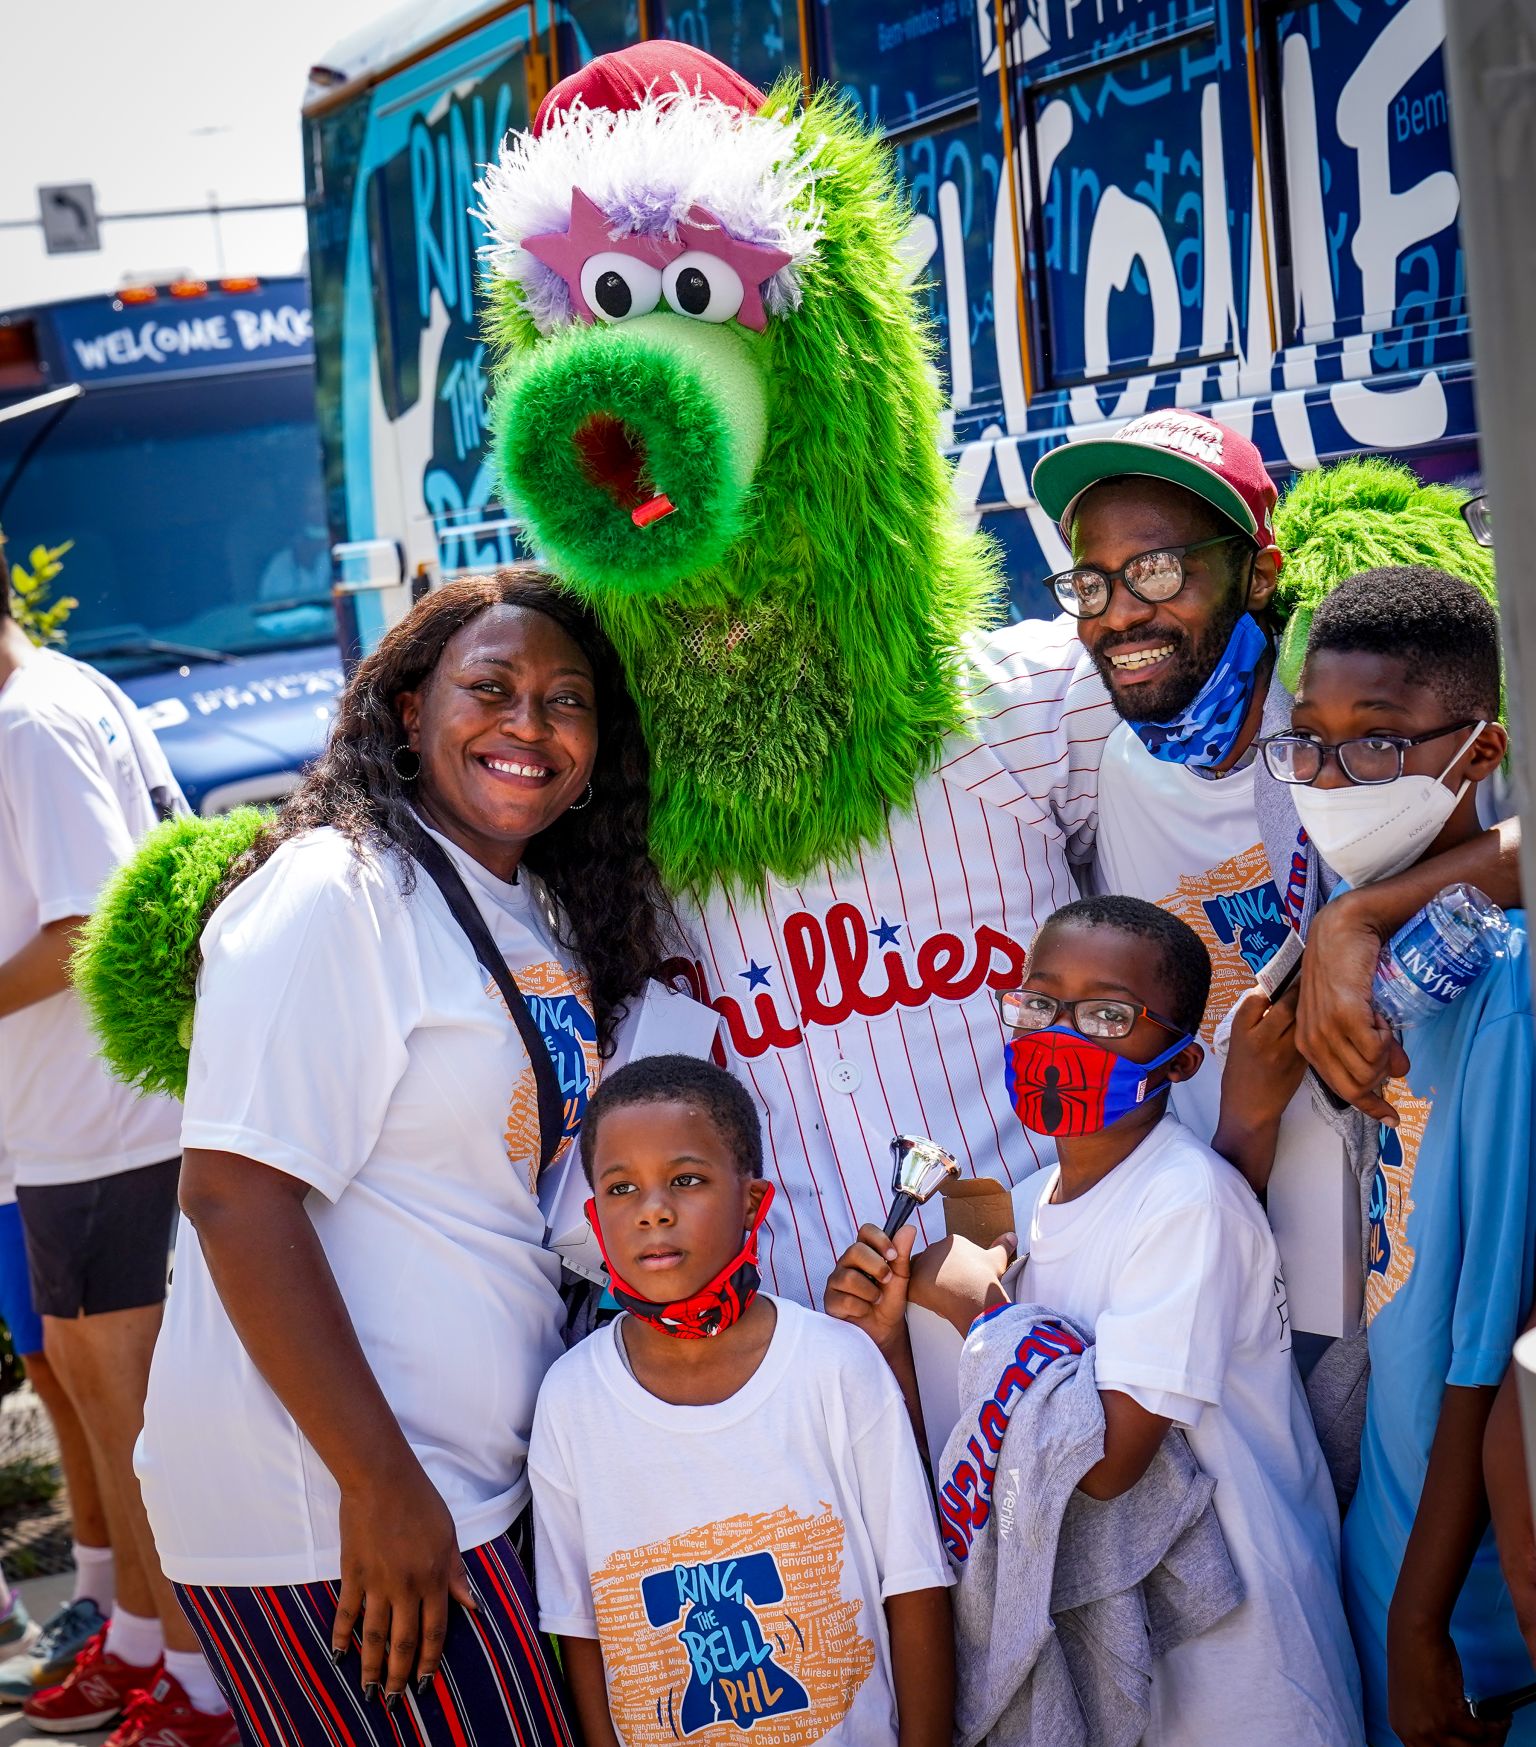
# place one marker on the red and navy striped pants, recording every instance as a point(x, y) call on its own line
point(270, 1650)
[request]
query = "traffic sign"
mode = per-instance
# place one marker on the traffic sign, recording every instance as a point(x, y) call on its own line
point(69, 218)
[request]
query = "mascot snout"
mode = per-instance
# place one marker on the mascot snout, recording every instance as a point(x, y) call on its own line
point(630, 449)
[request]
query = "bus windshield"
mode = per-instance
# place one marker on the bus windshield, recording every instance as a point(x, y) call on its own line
point(195, 513)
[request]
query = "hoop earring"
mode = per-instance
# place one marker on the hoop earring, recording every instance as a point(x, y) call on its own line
point(585, 801)
point(406, 776)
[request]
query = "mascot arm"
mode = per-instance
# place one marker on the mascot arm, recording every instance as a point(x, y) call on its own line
point(1337, 1029)
point(1041, 716)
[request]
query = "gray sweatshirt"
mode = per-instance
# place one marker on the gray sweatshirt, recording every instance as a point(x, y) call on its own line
point(1063, 1601)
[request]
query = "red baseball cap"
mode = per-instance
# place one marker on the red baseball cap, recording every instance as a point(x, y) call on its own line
point(1213, 461)
point(625, 78)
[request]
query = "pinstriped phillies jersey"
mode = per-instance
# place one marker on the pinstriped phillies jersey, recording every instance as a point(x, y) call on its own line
point(858, 1003)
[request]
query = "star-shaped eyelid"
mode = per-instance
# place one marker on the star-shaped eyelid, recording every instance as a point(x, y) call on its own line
point(567, 252)
point(755, 263)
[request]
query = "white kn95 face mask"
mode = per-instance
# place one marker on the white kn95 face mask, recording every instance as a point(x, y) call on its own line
point(1370, 831)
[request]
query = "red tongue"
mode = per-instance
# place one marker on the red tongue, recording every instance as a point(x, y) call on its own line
point(613, 458)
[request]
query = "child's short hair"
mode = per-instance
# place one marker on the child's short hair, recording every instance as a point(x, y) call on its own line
point(664, 1079)
point(1185, 963)
point(1441, 628)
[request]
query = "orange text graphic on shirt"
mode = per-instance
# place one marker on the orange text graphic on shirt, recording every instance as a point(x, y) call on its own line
point(1236, 910)
point(737, 1626)
point(833, 973)
point(1389, 1260)
point(562, 1010)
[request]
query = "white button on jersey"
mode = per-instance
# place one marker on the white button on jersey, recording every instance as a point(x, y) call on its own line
point(845, 1077)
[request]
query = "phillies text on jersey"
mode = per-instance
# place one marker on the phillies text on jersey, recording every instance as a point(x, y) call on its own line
point(859, 1002)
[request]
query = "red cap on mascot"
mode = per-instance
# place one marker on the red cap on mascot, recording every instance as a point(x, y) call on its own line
point(623, 80)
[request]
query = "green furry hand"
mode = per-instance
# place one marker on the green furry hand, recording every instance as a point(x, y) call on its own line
point(136, 962)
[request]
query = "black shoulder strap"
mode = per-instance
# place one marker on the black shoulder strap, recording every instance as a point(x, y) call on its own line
point(431, 855)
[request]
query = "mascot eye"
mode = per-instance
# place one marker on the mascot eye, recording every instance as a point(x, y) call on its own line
point(617, 287)
point(702, 285)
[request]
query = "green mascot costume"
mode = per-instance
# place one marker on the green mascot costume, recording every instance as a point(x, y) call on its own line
point(716, 413)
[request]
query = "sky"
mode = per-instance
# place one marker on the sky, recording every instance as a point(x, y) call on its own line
point(157, 102)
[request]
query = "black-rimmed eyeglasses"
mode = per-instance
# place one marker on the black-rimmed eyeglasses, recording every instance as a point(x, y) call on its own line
point(1373, 758)
point(1030, 1010)
point(1153, 577)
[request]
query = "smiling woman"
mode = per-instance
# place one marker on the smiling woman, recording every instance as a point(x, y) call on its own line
point(364, 1309)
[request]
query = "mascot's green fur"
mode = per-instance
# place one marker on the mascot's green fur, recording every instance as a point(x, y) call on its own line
point(792, 637)
point(1364, 514)
point(792, 619)
point(136, 961)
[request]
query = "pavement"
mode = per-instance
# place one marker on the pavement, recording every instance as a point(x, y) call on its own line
point(42, 1595)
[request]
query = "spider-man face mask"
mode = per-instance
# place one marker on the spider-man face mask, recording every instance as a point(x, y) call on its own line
point(1061, 1082)
point(715, 1306)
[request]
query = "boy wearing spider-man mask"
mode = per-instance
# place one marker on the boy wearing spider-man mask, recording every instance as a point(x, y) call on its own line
point(1142, 1233)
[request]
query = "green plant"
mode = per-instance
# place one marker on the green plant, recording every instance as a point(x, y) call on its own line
point(32, 603)
point(27, 1480)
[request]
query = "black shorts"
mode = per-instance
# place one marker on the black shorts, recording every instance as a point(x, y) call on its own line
point(102, 1245)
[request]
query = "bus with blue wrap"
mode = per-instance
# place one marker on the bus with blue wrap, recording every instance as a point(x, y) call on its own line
point(166, 435)
point(1240, 206)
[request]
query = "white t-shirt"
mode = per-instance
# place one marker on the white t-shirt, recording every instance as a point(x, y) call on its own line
point(345, 1035)
point(859, 1000)
point(1192, 846)
point(1170, 1260)
point(73, 805)
point(733, 1560)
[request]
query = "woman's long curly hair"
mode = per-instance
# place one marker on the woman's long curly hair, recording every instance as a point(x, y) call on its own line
point(595, 860)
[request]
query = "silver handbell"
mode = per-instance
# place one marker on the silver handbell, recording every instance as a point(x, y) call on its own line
point(919, 1167)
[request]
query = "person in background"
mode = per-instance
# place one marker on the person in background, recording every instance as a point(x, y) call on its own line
point(33, 1656)
point(1144, 1234)
point(338, 1416)
point(732, 1519)
point(95, 1167)
point(1395, 724)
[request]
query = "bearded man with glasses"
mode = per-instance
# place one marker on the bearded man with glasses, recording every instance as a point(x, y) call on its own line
point(1171, 527)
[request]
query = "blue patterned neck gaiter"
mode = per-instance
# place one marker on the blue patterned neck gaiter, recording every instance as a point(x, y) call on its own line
point(1205, 731)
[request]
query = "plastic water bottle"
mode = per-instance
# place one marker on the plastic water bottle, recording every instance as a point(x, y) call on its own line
point(1436, 956)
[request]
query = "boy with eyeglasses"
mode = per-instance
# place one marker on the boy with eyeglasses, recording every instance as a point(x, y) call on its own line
point(1170, 525)
point(1175, 536)
point(1394, 726)
point(1144, 1234)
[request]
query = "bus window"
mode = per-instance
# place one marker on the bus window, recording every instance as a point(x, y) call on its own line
point(902, 64)
point(195, 512)
point(1122, 153)
point(759, 38)
point(1365, 190)
point(953, 186)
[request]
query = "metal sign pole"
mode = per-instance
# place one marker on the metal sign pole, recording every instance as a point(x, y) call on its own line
point(1490, 54)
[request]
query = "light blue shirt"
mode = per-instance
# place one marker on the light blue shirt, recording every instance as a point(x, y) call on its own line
point(1450, 1282)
